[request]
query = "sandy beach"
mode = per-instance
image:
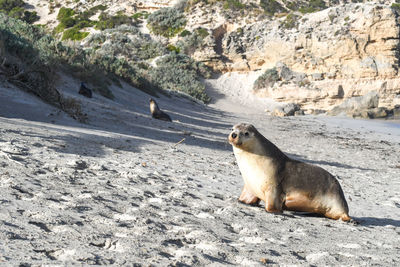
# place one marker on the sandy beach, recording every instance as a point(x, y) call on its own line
point(126, 189)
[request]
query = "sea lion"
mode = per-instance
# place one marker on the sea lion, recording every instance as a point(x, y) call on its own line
point(157, 113)
point(281, 182)
point(83, 90)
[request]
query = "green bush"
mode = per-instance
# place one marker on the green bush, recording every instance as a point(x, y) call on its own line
point(181, 5)
point(293, 6)
point(271, 7)
point(291, 21)
point(14, 9)
point(74, 34)
point(85, 15)
point(80, 24)
point(68, 22)
point(7, 5)
point(166, 21)
point(126, 42)
point(396, 7)
point(313, 6)
point(97, 8)
point(16, 12)
point(233, 5)
point(65, 13)
point(69, 19)
point(173, 48)
point(267, 79)
point(203, 33)
point(140, 15)
point(109, 22)
point(124, 51)
point(191, 42)
point(178, 72)
point(30, 17)
point(190, 3)
point(185, 33)
point(65, 18)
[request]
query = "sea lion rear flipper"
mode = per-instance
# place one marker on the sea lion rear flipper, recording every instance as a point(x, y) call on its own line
point(339, 216)
point(247, 197)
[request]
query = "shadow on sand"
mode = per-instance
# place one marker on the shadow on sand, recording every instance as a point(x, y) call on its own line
point(124, 125)
point(372, 221)
point(358, 221)
point(327, 163)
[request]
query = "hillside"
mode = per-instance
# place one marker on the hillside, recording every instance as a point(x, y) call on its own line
point(323, 51)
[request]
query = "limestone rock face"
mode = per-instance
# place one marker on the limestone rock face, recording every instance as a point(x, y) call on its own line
point(350, 41)
point(324, 58)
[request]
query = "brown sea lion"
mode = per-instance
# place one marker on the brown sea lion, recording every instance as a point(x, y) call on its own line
point(85, 91)
point(281, 182)
point(157, 113)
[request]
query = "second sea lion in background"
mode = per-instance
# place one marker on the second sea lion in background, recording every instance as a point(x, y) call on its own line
point(83, 90)
point(281, 182)
point(157, 113)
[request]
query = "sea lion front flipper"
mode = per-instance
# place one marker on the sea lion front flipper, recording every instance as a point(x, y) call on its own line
point(273, 202)
point(248, 197)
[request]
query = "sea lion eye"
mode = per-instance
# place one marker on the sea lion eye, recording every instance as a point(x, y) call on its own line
point(246, 134)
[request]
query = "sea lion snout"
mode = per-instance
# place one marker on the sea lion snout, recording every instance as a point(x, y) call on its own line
point(234, 138)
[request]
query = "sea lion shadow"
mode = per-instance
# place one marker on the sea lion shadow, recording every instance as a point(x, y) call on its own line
point(358, 221)
point(374, 221)
point(327, 163)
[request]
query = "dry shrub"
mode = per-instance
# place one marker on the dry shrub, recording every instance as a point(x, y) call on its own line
point(73, 108)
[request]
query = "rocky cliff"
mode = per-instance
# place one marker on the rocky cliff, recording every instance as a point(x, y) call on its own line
point(323, 57)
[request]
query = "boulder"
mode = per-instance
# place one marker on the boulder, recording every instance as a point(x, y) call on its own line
point(373, 113)
point(289, 109)
point(396, 112)
point(356, 104)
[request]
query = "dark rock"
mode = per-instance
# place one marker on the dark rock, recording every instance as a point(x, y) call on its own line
point(339, 93)
point(299, 112)
point(284, 72)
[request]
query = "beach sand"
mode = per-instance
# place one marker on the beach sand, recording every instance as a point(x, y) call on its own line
point(127, 189)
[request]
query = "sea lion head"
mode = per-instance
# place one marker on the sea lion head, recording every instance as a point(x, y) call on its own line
point(153, 106)
point(243, 136)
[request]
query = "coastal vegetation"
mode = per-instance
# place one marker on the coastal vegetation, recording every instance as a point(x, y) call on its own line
point(15, 9)
point(122, 52)
point(166, 22)
point(267, 79)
